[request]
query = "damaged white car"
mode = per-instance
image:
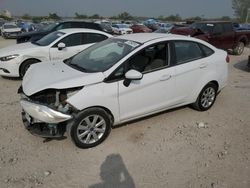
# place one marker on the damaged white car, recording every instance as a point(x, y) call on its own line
point(118, 80)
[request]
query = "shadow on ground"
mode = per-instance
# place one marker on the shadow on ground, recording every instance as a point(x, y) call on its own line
point(242, 65)
point(114, 174)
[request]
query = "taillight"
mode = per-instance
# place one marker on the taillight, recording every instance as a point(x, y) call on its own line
point(227, 59)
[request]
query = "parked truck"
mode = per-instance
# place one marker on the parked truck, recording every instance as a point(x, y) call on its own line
point(218, 33)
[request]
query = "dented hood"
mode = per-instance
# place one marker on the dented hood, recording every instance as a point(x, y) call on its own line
point(56, 75)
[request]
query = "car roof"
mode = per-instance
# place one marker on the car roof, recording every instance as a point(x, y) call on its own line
point(83, 30)
point(218, 21)
point(145, 37)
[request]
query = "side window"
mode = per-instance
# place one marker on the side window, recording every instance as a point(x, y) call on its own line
point(150, 59)
point(207, 51)
point(64, 26)
point(93, 38)
point(228, 27)
point(218, 29)
point(72, 40)
point(186, 51)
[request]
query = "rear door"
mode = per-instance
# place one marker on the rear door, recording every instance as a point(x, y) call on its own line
point(190, 66)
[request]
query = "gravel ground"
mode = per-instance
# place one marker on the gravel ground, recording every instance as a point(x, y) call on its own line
point(178, 148)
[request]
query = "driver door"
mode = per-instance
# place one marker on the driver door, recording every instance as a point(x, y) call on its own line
point(73, 45)
point(155, 91)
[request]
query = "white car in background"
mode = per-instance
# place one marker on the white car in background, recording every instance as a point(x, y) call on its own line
point(10, 30)
point(119, 80)
point(62, 44)
point(122, 29)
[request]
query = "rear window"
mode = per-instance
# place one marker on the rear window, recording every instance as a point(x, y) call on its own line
point(186, 51)
point(207, 51)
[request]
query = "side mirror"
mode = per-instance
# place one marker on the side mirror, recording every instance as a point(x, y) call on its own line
point(132, 75)
point(61, 46)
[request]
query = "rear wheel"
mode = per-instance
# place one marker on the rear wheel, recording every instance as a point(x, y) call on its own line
point(239, 49)
point(25, 66)
point(90, 127)
point(206, 97)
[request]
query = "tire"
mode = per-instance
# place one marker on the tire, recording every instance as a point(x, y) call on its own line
point(84, 133)
point(25, 66)
point(239, 49)
point(206, 97)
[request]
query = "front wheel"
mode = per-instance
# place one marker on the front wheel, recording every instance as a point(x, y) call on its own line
point(26, 65)
point(90, 127)
point(239, 49)
point(206, 97)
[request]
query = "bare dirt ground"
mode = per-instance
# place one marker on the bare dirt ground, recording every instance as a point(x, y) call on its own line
point(165, 150)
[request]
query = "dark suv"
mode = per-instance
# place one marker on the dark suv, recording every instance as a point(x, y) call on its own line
point(36, 35)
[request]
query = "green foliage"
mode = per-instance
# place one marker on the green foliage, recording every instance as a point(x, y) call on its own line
point(5, 18)
point(54, 16)
point(240, 8)
point(95, 16)
point(125, 16)
point(80, 16)
point(26, 17)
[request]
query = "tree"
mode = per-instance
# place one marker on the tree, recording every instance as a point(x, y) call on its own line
point(225, 18)
point(95, 16)
point(125, 16)
point(240, 8)
point(80, 16)
point(54, 16)
point(174, 18)
point(26, 17)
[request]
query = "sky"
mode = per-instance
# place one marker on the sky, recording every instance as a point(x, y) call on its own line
point(147, 8)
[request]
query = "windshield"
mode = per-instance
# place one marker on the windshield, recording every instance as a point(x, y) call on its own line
point(122, 26)
point(48, 27)
point(106, 26)
point(101, 56)
point(205, 27)
point(10, 27)
point(48, 39)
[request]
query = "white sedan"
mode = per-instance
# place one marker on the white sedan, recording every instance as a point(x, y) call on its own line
point(62, 44)
point(119, 80)
point(10, 30)
point(122, 29)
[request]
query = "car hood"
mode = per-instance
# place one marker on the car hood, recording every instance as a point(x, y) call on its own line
point(17, 48)
point(56, 75)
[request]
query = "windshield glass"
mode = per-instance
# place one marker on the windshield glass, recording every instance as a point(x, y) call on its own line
point(106, 26)
point(101, 56)
point(205, 27)
point(48, 39)
point(122, 26)
point(10, 27)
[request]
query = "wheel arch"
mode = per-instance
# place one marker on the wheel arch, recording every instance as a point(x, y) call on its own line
point(28, 59)
point(103, 108)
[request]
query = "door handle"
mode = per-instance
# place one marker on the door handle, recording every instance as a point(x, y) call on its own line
point(203, 65)
point(165, 77)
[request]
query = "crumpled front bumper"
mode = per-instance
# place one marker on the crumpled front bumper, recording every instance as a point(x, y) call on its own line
point(44, 113)
point(43, 121)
